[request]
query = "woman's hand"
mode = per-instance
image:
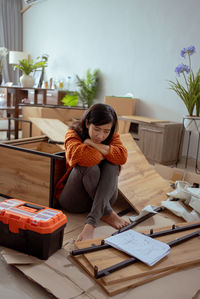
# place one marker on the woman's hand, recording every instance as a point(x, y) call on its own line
point(102, 148)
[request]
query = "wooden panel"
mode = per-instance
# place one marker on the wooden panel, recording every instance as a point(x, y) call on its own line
point(53, 128)
point(25, 176)
point(122, 105)
point(139, 183)
point(63, 114)
point(138, 118)
point(181, 256)
point(114, 289)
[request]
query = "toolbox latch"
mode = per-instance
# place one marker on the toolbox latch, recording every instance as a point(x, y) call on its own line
point(14, 226)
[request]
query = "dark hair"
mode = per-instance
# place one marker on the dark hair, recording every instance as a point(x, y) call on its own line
point(98, 114)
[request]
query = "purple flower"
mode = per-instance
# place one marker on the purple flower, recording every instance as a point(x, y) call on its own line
point(182, 68)
point(190, 50)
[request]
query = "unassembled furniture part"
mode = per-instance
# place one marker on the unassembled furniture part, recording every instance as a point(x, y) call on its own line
point(30, 168)
point(129, 261)
point(62, 113)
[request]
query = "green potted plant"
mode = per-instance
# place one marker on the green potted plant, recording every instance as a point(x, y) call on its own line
point(70, 99)
point(27, 66)
point(189, 90)
point(88, 87)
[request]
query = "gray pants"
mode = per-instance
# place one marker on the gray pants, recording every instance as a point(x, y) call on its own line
point(91, 189)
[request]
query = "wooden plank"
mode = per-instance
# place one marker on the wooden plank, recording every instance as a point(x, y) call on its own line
point(132, 118)
point(25, 176)
point(122, 286)
point(139, 183)
point(63, 114)
point(53, 128)
point(181, 256)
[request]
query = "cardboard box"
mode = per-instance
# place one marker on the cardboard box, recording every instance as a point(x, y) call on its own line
point(177, 174)
point(122, 105)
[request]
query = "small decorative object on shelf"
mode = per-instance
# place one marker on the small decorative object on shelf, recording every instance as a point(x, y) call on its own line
point(27, 67)
point(189, 91)
point(3, 54)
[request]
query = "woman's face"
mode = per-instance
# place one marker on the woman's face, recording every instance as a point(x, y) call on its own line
point(98, 133)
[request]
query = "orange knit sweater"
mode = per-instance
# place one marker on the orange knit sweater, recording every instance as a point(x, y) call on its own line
point(76, 152)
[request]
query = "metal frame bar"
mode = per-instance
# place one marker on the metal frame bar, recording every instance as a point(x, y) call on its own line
point(173, 230)
point(104, 246)
point(26, 150)
point(51, 191)
point(111, 269)
point(53, 157)
point(18, 120)
point(132, 260)
point(141, 219)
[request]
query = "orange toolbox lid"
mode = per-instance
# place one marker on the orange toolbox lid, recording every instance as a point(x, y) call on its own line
point(18, 214)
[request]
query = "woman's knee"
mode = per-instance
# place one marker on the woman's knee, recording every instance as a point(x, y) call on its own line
point(91, 179)
point(110, 167)
point(89, 171)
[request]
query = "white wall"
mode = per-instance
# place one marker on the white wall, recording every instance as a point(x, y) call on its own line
point(135, 43)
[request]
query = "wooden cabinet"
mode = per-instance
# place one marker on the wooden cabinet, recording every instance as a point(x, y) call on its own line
point(159, 140)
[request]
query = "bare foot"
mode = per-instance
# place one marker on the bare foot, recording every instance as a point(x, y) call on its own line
point(114, 220)
point(87, 233)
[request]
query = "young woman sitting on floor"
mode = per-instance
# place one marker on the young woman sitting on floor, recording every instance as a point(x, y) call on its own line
point(94, 155)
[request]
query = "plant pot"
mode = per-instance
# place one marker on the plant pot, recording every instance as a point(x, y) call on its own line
point(192, 124)
point(27, 81)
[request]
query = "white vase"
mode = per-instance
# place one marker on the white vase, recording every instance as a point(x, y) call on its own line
point(27, 80)
point(192, 124)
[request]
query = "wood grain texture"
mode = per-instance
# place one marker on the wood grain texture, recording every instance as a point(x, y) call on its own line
point(53, 128)
point(181, 256)
point(139, 183)
point(115, 289)
point(132, 118)
point(63, 114)
point(26, 176)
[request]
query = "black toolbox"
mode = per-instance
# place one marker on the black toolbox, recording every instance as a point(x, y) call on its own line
point(31, 229)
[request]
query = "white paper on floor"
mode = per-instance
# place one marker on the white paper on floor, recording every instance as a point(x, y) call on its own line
point(140, 246)
point(148, 209)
